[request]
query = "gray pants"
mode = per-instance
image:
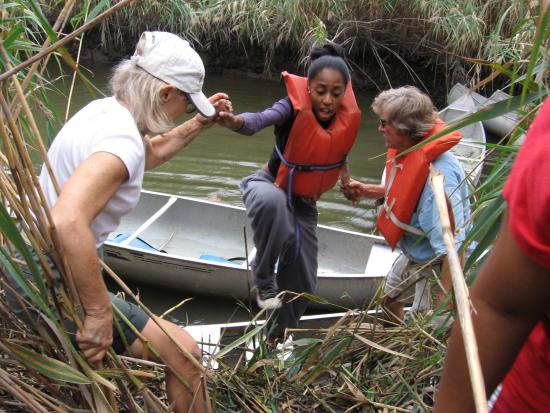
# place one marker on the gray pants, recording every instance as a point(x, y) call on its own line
point(284, 235)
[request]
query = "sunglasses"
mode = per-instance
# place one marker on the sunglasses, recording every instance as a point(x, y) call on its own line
point(190, 107)
point(382, 123)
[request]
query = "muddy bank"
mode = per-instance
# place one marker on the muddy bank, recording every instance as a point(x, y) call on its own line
point(429, 72)
point(390, 44)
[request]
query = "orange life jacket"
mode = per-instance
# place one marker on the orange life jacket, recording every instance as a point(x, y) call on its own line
point(313, 156)
point(405, 179)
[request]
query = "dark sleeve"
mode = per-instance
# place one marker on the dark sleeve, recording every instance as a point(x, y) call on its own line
point(275, 115)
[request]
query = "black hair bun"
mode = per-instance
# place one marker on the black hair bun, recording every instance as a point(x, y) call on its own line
point(328, 49)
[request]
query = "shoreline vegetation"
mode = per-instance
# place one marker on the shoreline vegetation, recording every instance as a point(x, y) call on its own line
point(358, 364)
point(432, 44)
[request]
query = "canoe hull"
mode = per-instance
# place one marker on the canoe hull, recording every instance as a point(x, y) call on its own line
point(500, 126)
point(471, 149)
point(180, 230)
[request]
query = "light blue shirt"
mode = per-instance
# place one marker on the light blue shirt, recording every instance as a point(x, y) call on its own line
point(421, 249)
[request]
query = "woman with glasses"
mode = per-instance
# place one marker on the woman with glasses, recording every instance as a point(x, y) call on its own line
point(409, 217)
point(98, 160)
point(315, 127)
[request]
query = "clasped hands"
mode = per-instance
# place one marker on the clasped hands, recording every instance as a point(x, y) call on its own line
point(223, 106)
point(354, 190)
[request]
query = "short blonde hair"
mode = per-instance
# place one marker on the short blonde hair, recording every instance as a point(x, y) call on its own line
point(140, 92)
point(409, 110)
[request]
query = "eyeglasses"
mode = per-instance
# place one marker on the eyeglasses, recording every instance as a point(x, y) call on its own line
point(190, 107)
point(382, 123)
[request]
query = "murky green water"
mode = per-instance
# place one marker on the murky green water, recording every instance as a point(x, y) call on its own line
point(212, 166)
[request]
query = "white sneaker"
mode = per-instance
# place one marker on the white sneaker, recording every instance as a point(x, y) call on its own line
point(267, 298)
point(285, 349)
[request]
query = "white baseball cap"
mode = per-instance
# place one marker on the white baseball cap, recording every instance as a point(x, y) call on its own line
point(172, 60)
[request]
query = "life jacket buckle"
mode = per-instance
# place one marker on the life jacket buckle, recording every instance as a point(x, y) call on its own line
point(303, 167)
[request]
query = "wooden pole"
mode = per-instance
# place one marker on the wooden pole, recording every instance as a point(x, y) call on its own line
point(460, 290)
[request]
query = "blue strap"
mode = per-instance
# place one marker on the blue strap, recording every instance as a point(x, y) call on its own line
point(302, 167)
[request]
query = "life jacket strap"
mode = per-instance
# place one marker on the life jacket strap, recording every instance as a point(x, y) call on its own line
point(388, 207)
point(397, 222)
point(293, 167)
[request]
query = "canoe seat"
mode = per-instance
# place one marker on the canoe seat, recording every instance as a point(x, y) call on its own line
point(237, 261)
point(136, 243)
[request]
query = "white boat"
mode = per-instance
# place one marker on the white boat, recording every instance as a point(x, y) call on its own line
point(198, 247)
point(501, 126)
point(231, 341)
point(220, 340)
point(471, 149)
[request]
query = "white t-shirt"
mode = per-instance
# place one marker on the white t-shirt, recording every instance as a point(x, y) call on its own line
point(104, 125)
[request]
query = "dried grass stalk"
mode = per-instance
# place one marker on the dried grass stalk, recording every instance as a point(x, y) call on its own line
point(460, 290)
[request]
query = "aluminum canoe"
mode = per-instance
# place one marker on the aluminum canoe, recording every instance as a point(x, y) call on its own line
point(198, 247)
point(500, 126)
point(471, 149)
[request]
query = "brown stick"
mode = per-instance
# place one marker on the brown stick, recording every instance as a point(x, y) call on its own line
point(58, 25)
point(460, 290)
point(80, 43)
point(30, 118)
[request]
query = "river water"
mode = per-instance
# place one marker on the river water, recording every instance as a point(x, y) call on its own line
point(212, 166)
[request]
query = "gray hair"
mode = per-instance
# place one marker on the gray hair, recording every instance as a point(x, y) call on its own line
point(140, 92)
point(409, 110)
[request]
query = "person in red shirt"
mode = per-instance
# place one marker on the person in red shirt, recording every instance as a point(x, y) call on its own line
point(511, 295)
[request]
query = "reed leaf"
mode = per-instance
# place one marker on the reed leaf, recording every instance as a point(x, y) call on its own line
point(13, 35)
point(240, 341)
point(52, 368)
point(10, 230)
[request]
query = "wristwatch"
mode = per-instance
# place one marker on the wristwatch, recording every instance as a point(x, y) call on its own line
point(379, 201)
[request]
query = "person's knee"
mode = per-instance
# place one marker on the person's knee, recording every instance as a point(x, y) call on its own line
point(391, 303)
point(164, 343)
point(184, 339)
point(271, 201)
point(393, 308)
point(387, 301)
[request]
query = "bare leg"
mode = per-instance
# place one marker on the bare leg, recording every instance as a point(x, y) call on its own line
point(394, 309)
point(185, 399)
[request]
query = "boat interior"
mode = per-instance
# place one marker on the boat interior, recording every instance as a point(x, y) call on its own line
point(194, 229)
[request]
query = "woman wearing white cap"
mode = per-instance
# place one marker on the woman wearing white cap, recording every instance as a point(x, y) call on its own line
point(98, 159)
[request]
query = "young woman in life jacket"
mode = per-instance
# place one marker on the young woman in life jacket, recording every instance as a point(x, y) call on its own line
point(315, 127)
point(409, 217)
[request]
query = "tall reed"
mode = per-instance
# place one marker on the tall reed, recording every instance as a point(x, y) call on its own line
point(41, 369)
point(443, 29)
